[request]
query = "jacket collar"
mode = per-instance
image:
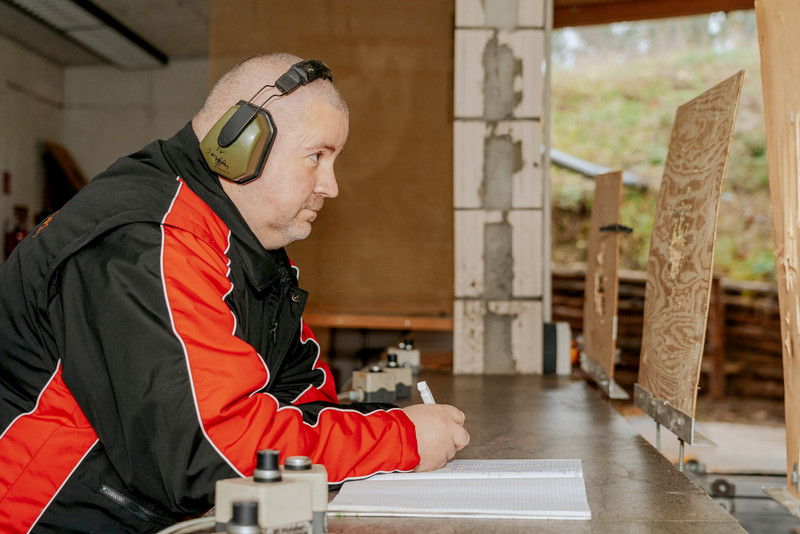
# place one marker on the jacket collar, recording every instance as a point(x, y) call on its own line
point(183, 153)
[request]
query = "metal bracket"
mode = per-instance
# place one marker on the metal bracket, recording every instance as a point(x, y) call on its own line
point(601, 378)
point(670, 417)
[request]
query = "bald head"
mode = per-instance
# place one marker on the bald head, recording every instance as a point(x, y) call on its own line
point(249, 77)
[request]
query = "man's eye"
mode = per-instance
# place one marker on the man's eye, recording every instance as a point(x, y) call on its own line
point(315, 157)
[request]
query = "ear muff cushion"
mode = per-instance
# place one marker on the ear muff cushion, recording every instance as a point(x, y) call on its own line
point(243, 159)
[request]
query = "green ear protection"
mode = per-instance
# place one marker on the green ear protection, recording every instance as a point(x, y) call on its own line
point(237, 146)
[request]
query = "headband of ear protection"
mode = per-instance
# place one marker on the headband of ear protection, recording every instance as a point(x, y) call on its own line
point(237, 146)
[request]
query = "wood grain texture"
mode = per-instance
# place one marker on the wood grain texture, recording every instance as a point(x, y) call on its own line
point(385, 244)
point(680, 264)
point(378, 322)
point(778, 22)
point(584, 12)
point(602, 276)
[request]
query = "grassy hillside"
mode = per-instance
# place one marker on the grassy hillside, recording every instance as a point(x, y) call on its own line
point(617, 111)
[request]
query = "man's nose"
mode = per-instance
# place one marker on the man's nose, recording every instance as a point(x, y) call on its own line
point(327, 185)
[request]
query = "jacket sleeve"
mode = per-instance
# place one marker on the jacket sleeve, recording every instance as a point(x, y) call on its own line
point(304, 377)
point(176, 399)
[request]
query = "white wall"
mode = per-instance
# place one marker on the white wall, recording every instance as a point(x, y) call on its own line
point(98, 113)
point(110, 113)
point(31, 102)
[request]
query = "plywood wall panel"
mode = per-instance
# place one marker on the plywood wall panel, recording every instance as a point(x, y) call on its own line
point(386, 243)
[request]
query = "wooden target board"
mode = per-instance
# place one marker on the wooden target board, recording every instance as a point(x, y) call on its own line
point(681, 260)
point(601, 285)
point(778, 22)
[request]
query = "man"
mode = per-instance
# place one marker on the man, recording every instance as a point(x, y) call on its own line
point(151, 338)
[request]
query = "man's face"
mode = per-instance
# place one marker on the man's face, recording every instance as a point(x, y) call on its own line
point(280, 205)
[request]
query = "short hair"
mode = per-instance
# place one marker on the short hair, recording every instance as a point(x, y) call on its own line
point(248, 79)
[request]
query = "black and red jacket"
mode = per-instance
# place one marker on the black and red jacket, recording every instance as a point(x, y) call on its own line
point(149, 346)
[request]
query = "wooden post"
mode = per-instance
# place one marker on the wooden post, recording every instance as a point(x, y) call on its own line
point(779, 39)
point(716, 341)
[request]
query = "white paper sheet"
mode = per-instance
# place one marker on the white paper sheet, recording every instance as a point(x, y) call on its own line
point(541, 489)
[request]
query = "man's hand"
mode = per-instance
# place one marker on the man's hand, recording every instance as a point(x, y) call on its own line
point(440, 433)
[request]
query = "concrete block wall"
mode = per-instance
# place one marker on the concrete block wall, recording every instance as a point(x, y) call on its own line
point(31, 104)
point(499, 186)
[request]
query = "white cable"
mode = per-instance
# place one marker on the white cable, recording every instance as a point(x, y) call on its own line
point(193, 525)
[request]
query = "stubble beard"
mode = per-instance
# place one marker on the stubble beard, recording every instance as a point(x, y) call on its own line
point(301, 229)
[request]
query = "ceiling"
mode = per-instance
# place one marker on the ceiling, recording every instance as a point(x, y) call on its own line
point(584, 12)
point(180, 28)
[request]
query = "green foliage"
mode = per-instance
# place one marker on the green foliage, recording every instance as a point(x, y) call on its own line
point(637, 212)
point(619, 113)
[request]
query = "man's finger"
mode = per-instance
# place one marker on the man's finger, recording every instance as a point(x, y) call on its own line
point(461, 439)
point(458, 416)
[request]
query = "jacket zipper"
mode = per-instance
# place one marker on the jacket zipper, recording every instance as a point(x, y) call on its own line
point(134, 507)
point(285, 285)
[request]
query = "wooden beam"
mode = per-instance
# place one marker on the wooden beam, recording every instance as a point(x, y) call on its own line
point(778, 37)
point(586, 12)
point(716, 341)
point(378, 322)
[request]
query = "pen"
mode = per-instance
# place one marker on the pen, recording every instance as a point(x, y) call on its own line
point(425, 392)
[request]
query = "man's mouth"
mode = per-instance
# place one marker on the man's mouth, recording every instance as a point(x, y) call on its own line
point(315, 204)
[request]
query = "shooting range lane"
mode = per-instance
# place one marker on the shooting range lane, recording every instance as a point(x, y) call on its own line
point(630, 486)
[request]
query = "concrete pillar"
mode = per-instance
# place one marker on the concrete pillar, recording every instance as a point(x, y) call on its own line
point(499, 188)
